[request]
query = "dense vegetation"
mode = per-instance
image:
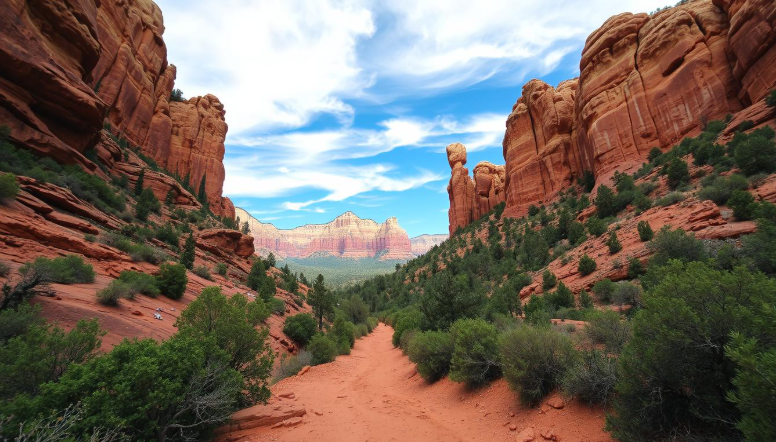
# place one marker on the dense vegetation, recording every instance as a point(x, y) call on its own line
point(180, 389)
point(691, 356)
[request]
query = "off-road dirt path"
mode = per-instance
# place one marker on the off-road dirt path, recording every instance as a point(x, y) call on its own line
point(375, 395)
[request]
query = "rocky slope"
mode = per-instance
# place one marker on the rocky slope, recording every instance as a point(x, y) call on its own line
point(66, 65)
point(347, 236)
point(88, 83)
point(646, 81)
point(423, 243)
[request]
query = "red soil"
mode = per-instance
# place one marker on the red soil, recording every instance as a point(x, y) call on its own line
point(375, 394)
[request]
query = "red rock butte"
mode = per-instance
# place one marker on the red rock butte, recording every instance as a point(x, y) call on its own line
point(347, 236)
point(72, 63)
point(646, 81)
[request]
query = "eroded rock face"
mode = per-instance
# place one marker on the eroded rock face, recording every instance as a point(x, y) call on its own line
point(423, 243)
point(347, 236)
point(47, 52)
point(752, 42)
point(461, 188)
point(489, 181)
point(645, 81)
point(540, 152)
point(225, 242)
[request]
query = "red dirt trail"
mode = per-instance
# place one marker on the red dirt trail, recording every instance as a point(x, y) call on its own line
point(375, 395)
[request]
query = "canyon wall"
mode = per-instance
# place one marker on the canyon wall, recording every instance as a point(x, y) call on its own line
point(645, 81)
point(66, 67)
point(347, 236)
point(421, 244)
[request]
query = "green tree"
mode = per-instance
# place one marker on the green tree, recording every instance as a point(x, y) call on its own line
point(756, 152)
point(229, 325)
point(587, 265)
point(187, 256)
point(246, 230)
point(172, 280)
point(548, 280)
point(146, 203)
point(321, 299)
point(605, 202)
point(743, 204)
point(675, 374)
point(256, 276)
point(613, 243)
point(140, 182)
point(301, 328)
point(585, 300)
point(202, 193)
point(448, 298)
point(9, 188)
point(677, 173)
point(645, 231)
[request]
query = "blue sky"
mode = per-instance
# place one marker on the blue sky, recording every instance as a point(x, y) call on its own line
point(337, 105)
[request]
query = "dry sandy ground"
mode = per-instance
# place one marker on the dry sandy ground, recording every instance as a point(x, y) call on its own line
point(375, 395)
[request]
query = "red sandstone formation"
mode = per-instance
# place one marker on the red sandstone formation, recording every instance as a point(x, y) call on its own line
point(347, 236)
point(646, 81)
point(423, 243)
point(47, 52)
point(488, 187)
point(69, 64)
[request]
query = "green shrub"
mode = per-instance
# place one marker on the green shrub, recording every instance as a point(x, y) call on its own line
point(645, 231)
point(290, 365)
point(431, 352)
point(604, 289)
point(754, 381)
point(203, 272)
point(534, 361)
point(591, 378)
point(147, 203)
point(669, 199)
point(587, 265)
point(760, 247)
point(675, 373)
point(361, 330)
point(770, 100)
point(322, 348)
point(607, 328)
point(188, 255)
point(70, 269)
point(343, 333)
point(168, 235)
point(172, 280)
point(278, 306)
point(613, 243)
point(719, 189)
point(561, 297)
point(677, 173)
point(675, 244)
point(301, 328)
point(221, 268)
point(475, 352)
point(576, 233)
point(606, 202)
point(116, 290)
point(743, 205)
point(595, 226)
point(9, 187)
point(407, 319)
point(538, 310)
point(626, 293)
point(585, 300)
point(635, 268)
point(5, 269)
point(755, 152)
point(142, 283)
point(548, 280)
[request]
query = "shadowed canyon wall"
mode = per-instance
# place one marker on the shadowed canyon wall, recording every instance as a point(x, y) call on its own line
point(66, 66)
point(645, 81)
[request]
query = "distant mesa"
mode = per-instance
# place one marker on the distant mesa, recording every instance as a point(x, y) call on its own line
point(347, 236)
point(421, 244)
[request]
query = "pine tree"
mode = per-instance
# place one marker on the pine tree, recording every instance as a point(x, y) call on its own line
point(256, 275)
point(139, 183)
point(187, 257)
point(245, 229)
point(613, 243)
point(320, 298)
point(202, 195)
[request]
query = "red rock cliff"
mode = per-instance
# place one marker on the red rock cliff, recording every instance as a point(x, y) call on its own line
point(347, 236)
point(67, 65)
point(645, 81)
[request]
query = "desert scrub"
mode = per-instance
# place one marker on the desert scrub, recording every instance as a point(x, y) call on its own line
point(9, 188)
point(475, 352)
point(291, 364)
point(301, 328)
point(431, 352)
point(322, 348)
point(203, 272)
point(70, 269)
point(591, 378)
point(142, 283)
point(534, 360)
